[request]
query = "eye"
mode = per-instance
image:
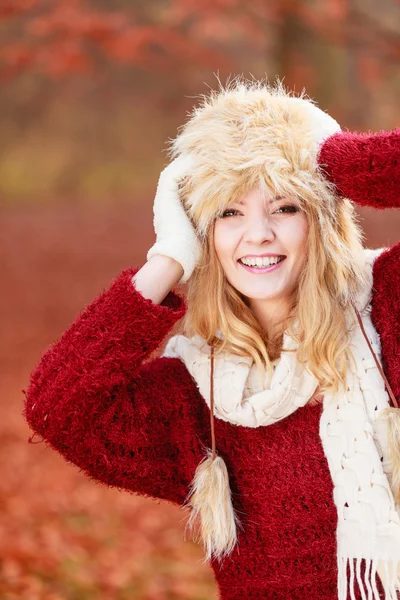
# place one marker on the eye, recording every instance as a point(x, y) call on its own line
point(229, 213)
point(288, 209)
point(291, 208)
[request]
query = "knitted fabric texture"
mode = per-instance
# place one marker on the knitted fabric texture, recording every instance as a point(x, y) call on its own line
point(369, 525)
point(141, 426)
point(364, 167)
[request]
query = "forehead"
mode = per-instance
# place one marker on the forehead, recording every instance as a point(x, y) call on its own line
point(269, 201)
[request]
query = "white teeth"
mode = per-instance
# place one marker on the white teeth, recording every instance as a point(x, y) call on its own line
point(261, 262)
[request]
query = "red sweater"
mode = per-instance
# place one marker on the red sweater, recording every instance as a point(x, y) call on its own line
point(143, 426)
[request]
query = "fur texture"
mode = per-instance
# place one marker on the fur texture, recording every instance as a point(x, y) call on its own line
point(364, 166)
point(211, 508)
point(247, 135)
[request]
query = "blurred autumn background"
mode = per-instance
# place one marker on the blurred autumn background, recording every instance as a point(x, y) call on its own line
point(90, 92)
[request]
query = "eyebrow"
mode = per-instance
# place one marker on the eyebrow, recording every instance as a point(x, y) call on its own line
point(269, 202)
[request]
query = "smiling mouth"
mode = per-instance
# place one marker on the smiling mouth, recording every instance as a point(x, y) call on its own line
point(260, 263)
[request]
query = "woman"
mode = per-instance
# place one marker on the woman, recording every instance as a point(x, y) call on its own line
point(278, 370)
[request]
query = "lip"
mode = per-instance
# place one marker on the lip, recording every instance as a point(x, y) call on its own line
point(259, 271)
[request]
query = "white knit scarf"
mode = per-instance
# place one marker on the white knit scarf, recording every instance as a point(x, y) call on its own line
point(354, 443)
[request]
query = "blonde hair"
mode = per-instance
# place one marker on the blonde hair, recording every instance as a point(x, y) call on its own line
point(325, 288)
point(254, 135)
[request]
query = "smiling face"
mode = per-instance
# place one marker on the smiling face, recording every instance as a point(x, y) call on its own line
point(254, 230)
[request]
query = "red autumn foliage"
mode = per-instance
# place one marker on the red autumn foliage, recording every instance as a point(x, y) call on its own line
point(68, 37)
point(62, 535)
point(59, 37)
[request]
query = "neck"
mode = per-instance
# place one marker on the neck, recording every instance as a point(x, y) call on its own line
point(270, 315)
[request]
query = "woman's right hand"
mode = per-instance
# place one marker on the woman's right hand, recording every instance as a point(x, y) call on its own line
point(175, 235)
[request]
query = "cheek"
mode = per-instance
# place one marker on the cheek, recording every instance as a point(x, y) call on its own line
point(217, 240)
point(223, 242)
point(297, 234)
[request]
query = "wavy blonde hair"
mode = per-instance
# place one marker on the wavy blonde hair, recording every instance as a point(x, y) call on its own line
point(323, 292)
point(254, 135)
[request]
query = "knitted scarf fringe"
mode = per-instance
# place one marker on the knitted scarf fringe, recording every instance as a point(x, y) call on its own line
point(387, 571)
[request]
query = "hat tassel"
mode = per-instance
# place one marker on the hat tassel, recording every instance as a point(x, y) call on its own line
point(210, 497)
point(392, 414)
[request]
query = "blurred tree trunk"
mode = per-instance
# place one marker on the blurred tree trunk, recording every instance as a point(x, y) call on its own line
point(338, 70)
point(358, 100)
point(307, 56)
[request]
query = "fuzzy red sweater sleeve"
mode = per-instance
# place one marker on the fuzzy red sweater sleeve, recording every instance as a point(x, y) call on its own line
point(94, 399)
point(365, 167)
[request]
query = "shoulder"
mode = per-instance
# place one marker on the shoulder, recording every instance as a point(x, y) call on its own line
point(371, 254)
point(187, 348)
point(194, 353)
point(385, 267)
point(370, 257)
point(381, 256)
point(231, 370)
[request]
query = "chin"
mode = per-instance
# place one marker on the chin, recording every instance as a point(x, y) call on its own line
point(256, 294)
point(260, 296)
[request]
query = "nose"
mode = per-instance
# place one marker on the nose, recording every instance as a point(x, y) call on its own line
point(258, 230)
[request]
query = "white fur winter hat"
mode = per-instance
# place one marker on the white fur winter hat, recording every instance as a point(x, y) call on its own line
point(246, 135)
